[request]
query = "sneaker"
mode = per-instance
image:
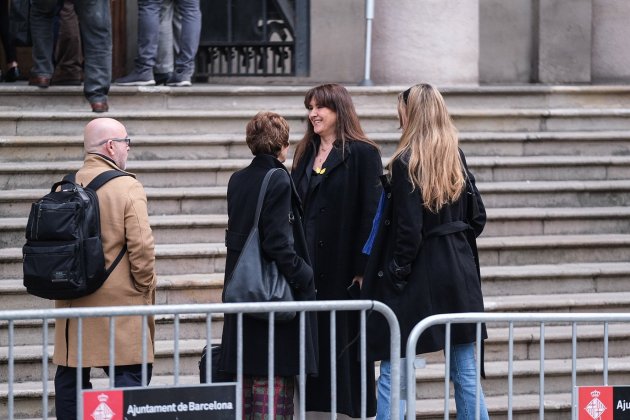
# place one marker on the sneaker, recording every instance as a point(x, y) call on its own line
point(136, 79)
point(162, 78)
point(178, 79)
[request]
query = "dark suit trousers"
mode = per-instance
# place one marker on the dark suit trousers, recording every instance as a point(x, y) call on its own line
point(66, 385)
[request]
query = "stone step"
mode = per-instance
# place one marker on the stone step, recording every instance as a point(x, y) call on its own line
point(52, 148)
point(542, 143)
point(565, 302)
point(501, 222)
point(211, 200)
point(603, 277)
point(162, 201)
point(191, 327)
point(156, 173)
point(28, 395)
point(170, 259)
point(524, 407)
point(277, 97)
point(553, 249)
point(168, 229)
point(217, 172)
point(555, 193)
point(557, 376)
point(549, 168)
point(497, 281)
point(28, 360)
point(195, 122)
point(171, 290)
point(526, 339)
point(493, 251)
point(429, 390)
point(556, 221)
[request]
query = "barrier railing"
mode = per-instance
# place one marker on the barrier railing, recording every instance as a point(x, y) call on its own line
point(46, 315)
point(510, 318)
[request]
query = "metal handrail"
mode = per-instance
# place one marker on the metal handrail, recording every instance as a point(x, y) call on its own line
point(230, 308)
point(369, 16)
point(511, 318)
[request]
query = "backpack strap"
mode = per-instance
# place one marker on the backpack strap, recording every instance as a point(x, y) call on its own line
point(100, 180)
point(97, 183)
point(116, 261)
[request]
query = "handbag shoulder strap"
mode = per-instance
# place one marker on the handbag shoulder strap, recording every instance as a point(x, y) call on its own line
point(261, 194)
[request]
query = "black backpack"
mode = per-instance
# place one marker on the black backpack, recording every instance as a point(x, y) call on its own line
point(63, 255)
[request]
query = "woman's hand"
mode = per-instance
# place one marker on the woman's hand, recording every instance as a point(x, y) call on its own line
point(358, 279)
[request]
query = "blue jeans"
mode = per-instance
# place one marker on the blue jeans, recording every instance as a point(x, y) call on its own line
point(170, 28)
point(463, 375)
point(188, 42)
point(96, 36)
point(384, 389)
point(187, 39)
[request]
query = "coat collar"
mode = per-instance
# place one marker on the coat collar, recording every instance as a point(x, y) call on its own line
point(266, 161)
point(336, 157)
point(270, 162)
point(98, 161)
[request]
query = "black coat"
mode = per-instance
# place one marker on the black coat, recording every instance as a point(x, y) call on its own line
point(440, 251)
point(339, 215)
point(282, 240)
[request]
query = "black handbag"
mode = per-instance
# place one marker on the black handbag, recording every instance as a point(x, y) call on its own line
point(256, 278)
point(217, 375)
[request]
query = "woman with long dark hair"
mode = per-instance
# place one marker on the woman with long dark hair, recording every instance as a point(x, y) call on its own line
point(336, 169)
point(423, 258)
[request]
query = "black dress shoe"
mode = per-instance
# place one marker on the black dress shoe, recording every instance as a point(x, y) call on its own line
point(12, 75)
point(99, 106)
point(161, 78)
point(39, 81)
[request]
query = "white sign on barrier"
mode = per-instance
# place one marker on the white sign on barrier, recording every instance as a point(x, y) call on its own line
point(216, 401)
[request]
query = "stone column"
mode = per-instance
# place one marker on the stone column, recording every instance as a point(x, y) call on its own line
point(563, 53)
point(436, 41)
point(611, 32)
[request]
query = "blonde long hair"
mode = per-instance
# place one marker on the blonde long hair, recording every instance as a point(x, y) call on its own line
point(429, 141)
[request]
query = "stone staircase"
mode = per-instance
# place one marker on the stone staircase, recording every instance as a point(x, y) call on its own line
point(552, 163)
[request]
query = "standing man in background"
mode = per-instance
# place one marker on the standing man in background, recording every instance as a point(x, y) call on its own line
point(96, 35)
point(148, 38)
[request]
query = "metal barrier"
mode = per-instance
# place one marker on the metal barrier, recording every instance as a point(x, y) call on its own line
point(209, 309)
point(511, 318)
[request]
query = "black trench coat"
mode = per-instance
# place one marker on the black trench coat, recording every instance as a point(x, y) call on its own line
point(282, 240)
point(342, 211)
point(440, 249)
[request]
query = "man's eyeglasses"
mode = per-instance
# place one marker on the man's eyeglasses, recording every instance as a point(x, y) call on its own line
point(126, 140)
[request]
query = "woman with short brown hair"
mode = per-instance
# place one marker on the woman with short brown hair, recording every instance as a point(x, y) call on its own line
point(282, 240)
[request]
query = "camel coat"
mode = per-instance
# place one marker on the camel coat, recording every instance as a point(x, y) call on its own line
point(124, 219)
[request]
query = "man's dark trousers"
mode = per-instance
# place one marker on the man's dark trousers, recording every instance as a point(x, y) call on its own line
point(66, 385)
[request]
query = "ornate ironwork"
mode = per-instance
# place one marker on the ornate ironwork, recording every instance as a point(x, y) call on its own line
point(253, 38)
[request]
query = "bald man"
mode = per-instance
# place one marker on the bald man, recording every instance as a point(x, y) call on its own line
point(124, 221)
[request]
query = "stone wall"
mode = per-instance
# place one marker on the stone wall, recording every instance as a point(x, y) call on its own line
point(455, 42)
point(506, 41)
point(611, 41)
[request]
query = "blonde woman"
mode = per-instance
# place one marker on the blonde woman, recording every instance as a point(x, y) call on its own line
point(423, 254)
